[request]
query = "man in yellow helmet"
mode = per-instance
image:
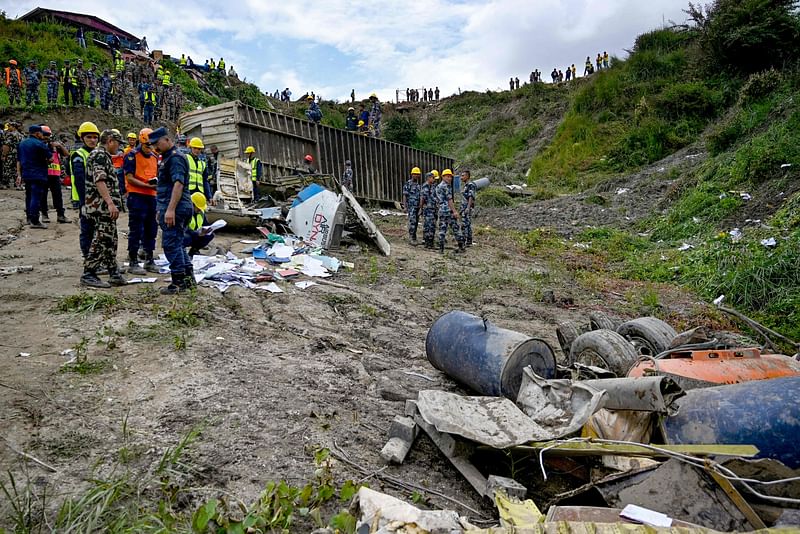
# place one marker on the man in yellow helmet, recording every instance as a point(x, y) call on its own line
point(89, 135)
point(448, 216)
point(132, 137)
point(198, 169)
point(411, 203)
point(255, 169)
point(196, 236)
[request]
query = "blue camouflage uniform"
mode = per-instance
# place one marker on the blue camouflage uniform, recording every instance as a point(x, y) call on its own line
point(105, 91)
point(51, 76)
point(79, 159)
point(32, 80)
point(411, 199)
point(444, 194)
point(470, 190)
point(428, 203)
point(173, 169)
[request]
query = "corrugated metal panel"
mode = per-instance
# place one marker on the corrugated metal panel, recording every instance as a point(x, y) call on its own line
point(379, 167)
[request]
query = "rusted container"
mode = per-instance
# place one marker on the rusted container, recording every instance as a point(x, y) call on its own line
point(700, 368)
point(484, 357)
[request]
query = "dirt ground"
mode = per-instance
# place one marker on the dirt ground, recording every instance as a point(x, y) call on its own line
point(271, 377)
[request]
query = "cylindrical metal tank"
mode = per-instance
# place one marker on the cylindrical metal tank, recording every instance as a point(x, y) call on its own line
point(483, 357)
point(480, 183)
point(764, 413)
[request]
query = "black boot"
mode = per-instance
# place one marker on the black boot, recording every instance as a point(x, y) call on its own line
point(176, 286)
point(461, 249)
point(116, 278)
point(90, 279)
point(149, 265)
point(441, 247)
point(134, 267)
point(188, 279)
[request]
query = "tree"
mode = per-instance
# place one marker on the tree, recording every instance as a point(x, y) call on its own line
point(747, 36)
point(400, 129)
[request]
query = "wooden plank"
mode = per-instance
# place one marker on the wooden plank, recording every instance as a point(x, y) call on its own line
point(450, 448)
point(737, 498)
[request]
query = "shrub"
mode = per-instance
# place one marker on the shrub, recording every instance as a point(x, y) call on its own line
point(493, 198)
point(400, 129)
point(662, 41)
point(689, 99)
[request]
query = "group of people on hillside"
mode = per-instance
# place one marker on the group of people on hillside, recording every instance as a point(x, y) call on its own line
point(186, 62)
point(570, 73)
point(161, 183)
point(365, 122)
point(137, 88)
point(428, 95)
point(434, 202)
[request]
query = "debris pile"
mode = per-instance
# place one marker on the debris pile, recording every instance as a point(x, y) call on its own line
point(679, 430)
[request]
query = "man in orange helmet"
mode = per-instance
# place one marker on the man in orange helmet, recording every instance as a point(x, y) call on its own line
point(13, 79)
point(141, 176)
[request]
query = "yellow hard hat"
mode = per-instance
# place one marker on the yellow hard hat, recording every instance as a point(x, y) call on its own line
point(199, 201)
point(373, 95)
point(87, 127)
point(447, 172)
point(131, 135)
point(416, 170)
point(361, 123)
point(196, 142)
point(435, 173)
point(250, 150)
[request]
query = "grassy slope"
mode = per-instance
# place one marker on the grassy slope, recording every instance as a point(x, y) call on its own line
point(647, 107)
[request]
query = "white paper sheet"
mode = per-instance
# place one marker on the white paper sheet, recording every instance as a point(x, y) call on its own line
point(305, 284)
point(216, 225)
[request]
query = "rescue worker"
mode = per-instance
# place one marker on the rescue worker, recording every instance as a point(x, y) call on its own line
point(308, 162)
point(221, 65)
point(363, 115)
point(50, 75)
point(427, 207)
point(255, 169)
point(13, 80)
point(54, 172)
point(448, 217)
point(213, 165)
point(599, 61)
point(347, 176)
point(587, 67)
point(212, 65)
point(32, 80)
point(196, 236)
point(68, 79)
point(102, 208)
point(375, 114)
point(93, 83)
point(174, 206)
point(33, 158)
point(149, 104)
point(469, 194)
point(79, 160)
point(574, 71)
point(141, 176)
point(313, 113)
point(605, 60)
point(182, 61)
point(119, 62)
point(411, 203)
point(180, 144)
point(81, 81)
point(362, 127)
point(198, 169)
point(351, 121)
point(132, 138)
point(106, 84)
point(12, 137)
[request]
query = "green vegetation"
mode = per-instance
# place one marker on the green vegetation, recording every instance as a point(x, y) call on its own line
point(493, 198)
point(166, 497)
point(86, 302)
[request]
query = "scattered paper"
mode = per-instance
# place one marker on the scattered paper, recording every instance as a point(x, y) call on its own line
point(280, 250)
point(736, 235)
point(769, 242)
point(785, 165)
point(648, 517)
point(149, 280)
point(685, 246)
point(305, 284)
point(24, 354)
point(272, 287)
point(219, 338)
point(249, 241)
point(216, 225)
point(581, 245)
point(745, 196)
point(717, 301)
point(622, 190)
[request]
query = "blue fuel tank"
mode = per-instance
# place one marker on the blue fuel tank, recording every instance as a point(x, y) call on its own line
point(483, 357)
point(764, 413)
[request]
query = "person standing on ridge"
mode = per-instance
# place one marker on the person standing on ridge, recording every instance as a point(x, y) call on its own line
point(411, 203)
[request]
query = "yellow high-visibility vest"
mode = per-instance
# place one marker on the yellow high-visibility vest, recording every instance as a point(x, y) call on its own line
point(196, 169)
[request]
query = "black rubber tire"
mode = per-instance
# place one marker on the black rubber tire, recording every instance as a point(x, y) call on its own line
point(606, 349)
point(650, 336)
point(567, 332)
point(601, 321)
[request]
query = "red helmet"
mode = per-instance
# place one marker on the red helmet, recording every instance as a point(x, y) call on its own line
point(308, 158)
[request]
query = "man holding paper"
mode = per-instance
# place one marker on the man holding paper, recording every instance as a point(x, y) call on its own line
point(197, 234)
